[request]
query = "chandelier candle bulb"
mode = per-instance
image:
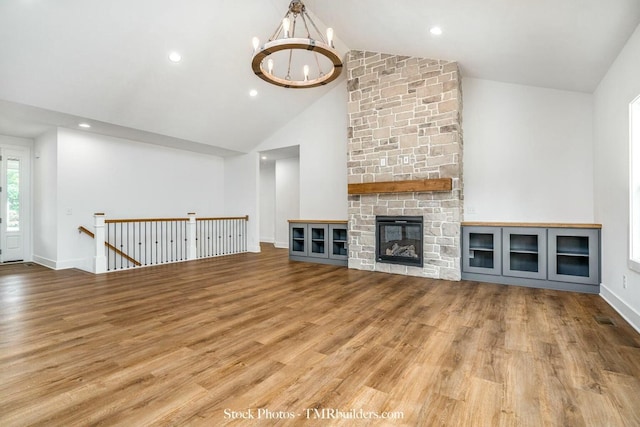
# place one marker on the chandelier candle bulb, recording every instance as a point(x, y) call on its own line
point(306, 73)
point(256, 43)
point(270, 66)
point(330, 36)
point(286, 26)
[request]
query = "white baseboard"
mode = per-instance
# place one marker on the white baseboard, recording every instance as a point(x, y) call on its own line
point(81, 263)
point(281, 245)
point(49, 263)
point(267, 240)
point(628, 313)
point(255, 249)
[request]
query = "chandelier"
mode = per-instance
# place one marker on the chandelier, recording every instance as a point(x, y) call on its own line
point(302, 60)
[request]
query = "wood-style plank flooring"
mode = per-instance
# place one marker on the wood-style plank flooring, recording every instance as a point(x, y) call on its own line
point(187, 344)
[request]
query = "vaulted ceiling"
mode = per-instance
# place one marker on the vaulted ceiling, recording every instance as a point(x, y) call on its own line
point(105, 62)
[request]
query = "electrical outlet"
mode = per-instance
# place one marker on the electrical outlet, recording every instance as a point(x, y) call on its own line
point(383, 161)
point(624, 281)
point(405, 160)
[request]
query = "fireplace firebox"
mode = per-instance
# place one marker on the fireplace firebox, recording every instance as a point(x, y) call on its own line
point(399, 240)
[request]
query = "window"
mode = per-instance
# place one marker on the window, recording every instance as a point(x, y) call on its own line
point(634, 185)
point(13, 195)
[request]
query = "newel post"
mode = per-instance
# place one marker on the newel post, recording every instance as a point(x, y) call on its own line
point(191, 236)
point(100, 259)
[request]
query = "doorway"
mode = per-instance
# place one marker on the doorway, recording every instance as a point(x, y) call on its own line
point(279, 193)
point(15, 221)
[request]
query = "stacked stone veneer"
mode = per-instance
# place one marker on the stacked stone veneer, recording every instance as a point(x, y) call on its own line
point(402, 106)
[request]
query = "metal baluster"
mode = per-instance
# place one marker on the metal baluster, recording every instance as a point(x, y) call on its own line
point(199, 237)
point(235, 236)
point(218, 238)
point(129, 227)
point(212, 237)
point(108, 251)
point(224, 239)
point(156, 243)
point(140, 224)
point(146, 241)
point(121, 260)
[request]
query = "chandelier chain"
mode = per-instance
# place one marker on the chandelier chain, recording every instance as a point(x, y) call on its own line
point(276, 34)
point(315, 27)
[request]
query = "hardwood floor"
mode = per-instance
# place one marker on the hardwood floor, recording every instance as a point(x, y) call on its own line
point(186, 344)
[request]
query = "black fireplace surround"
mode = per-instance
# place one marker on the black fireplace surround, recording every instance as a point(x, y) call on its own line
point(399, 240)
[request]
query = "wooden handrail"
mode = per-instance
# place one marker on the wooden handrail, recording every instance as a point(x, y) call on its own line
point(82, 229)
point(118, 221)
point(246, 218)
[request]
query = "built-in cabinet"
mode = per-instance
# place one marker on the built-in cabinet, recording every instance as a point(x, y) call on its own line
point(323, 242)
point(557, 257)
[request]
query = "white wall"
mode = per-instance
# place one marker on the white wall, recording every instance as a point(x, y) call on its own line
point(611, 129)
point(124, 179)
point(528, 153)
point(321, 133)
point(19, 142)
point(45, 197)
point(241, 185)
point(287, 198)
point(267, 201)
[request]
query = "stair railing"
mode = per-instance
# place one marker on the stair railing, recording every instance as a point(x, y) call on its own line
point(132, 243)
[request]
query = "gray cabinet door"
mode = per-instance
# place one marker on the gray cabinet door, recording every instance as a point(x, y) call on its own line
point(574, 255)
point(297, 239)
point(318, 240)
point(524, 252)
point(338, 245)
point(481, 249)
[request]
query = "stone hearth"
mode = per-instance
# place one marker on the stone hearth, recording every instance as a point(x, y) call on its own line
point(405, 124)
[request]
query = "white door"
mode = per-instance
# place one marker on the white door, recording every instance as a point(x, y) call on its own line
point(14, 204)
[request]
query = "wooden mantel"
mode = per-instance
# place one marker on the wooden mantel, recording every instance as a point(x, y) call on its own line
point(412, 186)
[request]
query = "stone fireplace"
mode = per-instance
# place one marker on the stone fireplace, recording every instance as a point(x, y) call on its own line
point(405, 124)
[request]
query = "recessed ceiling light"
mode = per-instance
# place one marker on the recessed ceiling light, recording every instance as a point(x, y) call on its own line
point(84, 125)
point(264, 157)
point(436, 31)
point(253, 93)
point(175, 57)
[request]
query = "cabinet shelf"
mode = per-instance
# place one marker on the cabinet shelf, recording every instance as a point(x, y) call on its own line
point(473, 248)
point(573, 254)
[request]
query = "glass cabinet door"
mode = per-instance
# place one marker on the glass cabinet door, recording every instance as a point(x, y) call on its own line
point(297, 236)
point(338, 244)
point(525, 252)
point(572, 255)
point(318, 242)
point(482, 250)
